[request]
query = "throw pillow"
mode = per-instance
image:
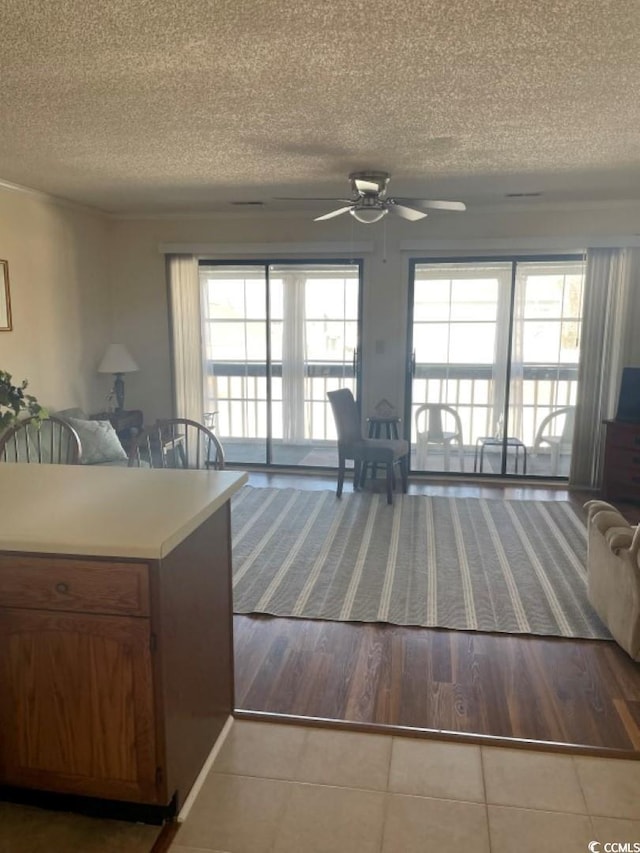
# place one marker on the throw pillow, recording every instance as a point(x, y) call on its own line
point(99, 440)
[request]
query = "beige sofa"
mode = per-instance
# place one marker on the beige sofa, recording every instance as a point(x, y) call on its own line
point(614, 573)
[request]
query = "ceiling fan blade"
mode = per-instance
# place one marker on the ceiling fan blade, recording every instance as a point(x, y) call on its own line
point(433, 205)
point(333, 213)
point(310, 198)
point(406, 212)
point(365, 186)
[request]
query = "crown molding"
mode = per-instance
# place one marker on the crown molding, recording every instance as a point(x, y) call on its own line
point(262, 250)
point(48, 198)
point(538, 245)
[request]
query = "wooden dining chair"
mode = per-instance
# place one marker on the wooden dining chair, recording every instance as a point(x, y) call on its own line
point(177, 443)
point(50, 441)
point(365, 451)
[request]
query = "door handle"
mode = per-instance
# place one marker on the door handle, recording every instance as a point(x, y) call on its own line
point(355, 361)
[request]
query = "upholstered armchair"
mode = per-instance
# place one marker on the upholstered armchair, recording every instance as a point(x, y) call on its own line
point(614, 573)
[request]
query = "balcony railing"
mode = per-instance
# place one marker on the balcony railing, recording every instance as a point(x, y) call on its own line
point(238, 392)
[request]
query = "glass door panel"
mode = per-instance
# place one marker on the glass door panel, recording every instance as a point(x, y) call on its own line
point(314, 334)
point(235, 352)
point(276, 339)
point(543, 383)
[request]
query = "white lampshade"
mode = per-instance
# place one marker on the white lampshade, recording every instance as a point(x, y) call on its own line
point(117, 359)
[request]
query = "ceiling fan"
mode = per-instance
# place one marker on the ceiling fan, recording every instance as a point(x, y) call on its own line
point(369, 201)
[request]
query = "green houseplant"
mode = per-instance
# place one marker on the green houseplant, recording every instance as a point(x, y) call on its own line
point(14, 402)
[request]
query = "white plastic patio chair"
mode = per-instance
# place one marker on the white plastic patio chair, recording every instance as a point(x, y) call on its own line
point(556, 433)
point(440, 425)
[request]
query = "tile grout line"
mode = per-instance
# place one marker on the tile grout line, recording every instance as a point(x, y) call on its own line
point(387, 797)
point(391, 751)
point(287, 799)
point(587, 811)
point(484, 793)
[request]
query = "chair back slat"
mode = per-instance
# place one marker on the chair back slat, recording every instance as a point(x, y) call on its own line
point(177, 443)
point(51, 441)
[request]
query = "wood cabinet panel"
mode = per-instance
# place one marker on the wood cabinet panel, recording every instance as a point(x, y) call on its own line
point(89, 586)
point(76, 708)
point(195, 655)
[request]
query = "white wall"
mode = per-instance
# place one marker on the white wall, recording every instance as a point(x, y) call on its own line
point(139, 284)
point(59, 277)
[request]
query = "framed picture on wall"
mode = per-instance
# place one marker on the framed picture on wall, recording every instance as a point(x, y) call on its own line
point(5, 299)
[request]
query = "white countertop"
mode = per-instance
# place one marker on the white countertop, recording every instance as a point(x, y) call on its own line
point(104, 511)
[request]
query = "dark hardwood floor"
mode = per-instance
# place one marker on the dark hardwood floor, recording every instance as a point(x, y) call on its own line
point(524, 690)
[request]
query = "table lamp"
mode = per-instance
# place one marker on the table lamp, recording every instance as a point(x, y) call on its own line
point(117, 360)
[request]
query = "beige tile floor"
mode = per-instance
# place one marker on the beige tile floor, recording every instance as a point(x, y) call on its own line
point(288, 789)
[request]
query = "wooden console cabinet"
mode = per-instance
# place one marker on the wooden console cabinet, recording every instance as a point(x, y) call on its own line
point(116, 670)
point(621, 473)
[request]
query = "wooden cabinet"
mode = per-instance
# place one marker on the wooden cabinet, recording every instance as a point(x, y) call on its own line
point(116, 675)
point(621, 473)
point(76, 710)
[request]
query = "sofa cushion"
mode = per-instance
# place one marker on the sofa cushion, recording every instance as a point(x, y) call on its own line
point(613, 567)
point(99, 440)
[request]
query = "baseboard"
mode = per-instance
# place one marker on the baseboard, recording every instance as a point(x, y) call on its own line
point(204, 772)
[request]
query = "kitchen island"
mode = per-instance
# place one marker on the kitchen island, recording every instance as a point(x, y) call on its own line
point(116, 631)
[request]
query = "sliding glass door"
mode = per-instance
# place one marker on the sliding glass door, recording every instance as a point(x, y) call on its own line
point(494, 348)
point(277, 337)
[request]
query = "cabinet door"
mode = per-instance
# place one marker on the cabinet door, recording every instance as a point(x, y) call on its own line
point(76, 704)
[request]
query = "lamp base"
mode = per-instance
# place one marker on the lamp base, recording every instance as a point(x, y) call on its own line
point(118, 390)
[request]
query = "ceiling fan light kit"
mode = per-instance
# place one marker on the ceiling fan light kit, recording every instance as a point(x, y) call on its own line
point(369, 202)
point(367, 215)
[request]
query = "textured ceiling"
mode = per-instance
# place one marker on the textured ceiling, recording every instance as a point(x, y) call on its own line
point(156, 106)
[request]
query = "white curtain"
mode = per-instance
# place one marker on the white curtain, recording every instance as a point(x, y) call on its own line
point(608, 326)
point(186, 336)
point(500, 353)
point(293, 358)
point(516, 375)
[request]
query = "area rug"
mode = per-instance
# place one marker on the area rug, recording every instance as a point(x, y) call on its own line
point(461, 563)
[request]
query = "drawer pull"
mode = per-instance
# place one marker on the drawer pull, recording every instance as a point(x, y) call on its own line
point(62, 588)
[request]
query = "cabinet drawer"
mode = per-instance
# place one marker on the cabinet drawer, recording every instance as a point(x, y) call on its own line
point(623, 436)
point(85, 586)
point(621, 460)
point(620, 480)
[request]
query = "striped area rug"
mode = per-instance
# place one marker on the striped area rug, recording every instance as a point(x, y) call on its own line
point(462, 563)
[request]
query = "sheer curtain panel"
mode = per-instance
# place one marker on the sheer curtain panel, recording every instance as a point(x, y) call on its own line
point(293, 358)
point(186, 336)
point(607, 330)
